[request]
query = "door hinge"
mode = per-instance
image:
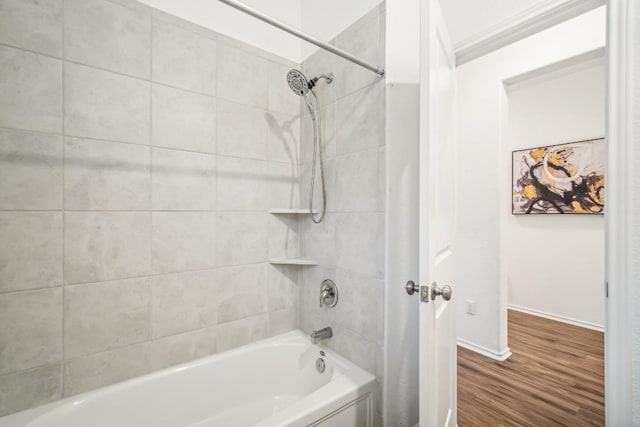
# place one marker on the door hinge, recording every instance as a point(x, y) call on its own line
point(606, 289)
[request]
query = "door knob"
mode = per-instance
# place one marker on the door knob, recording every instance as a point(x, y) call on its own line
point(445, 292)
point(411, 287)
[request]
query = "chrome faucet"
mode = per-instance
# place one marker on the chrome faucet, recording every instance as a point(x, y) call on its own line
point(321, 334)
point(328, 293)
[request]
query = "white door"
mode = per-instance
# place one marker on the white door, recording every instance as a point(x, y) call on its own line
point(437, 332)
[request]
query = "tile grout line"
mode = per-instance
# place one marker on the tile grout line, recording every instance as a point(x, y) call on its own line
point(152, 339)
point(87, 138)
point(143, 78)
point(64, 247)
point(148, 276)
point(150, 290)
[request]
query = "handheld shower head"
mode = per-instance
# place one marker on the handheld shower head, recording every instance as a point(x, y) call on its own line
point(302, 87)
point(298, 82)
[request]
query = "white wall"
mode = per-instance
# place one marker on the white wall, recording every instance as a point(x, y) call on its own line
point(402, 65)
point(224, 19)
point(402, 60)
point(555, 263)
point(481, 111)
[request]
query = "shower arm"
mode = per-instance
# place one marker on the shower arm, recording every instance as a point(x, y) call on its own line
point(278, 24)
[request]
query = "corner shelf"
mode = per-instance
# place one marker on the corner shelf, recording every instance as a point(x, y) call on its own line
point(296, 260)
point(292, 261)
point(290, 211)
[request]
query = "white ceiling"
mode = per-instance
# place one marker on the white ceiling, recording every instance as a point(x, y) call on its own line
point(467, 19)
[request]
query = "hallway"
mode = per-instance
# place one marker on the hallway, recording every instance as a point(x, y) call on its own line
point(554, 377)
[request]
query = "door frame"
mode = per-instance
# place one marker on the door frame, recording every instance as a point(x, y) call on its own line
point(619, 266)
point(401, 147)
point(620, 270)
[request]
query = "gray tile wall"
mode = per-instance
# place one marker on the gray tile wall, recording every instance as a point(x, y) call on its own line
point(349, 244)
point(139, 155)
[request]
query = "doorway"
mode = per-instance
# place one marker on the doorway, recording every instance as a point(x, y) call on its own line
point(527, 275)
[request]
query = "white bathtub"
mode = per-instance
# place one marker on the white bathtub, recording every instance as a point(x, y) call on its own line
point(269, 383)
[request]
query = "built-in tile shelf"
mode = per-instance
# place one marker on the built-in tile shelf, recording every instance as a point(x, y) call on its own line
point(290, 211)
point(293, 261)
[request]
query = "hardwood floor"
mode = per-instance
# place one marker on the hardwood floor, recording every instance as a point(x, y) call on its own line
point(555, 377)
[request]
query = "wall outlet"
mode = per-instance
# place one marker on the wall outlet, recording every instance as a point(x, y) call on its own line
point(472, 307)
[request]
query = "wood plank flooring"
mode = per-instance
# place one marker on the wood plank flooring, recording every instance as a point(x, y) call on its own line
point(555, 377)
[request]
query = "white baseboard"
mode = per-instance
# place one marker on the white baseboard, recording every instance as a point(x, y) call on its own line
point(557, 318)
point(500, 357)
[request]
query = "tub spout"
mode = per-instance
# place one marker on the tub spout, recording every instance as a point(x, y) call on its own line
point(321, 334)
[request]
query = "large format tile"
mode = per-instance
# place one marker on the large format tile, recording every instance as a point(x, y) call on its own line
point(106, 35)
point(31, 88)
point(31, 333)
point(360, 120)
point(104, 105)
point(283, 185)
point(327, 132)
point(167, 18)
point(322, 62)
point(32, 24)
point(27, 389)
point(357, 310)
point(183, 120)
point(283, 138)
point(181, 348)
point(242, 77)
point(183, 181)
point(282, 321)
point(30, 170)
point(306, 174)
point(363, 37)
point(280, 96)
point(241, 332)
point(318, 241)
point(282, 287)
point(357, 182)
point(242, 238)
point(379, 373)
point(103, 316)
point(359, 243)
point(237, 296)
point(359, 350)
point(242, 185)
point(101, 175)
point(102, 369)
point(242, 130)
point(183, 241)
point(284, 239)
point(312, 316)
point(183, 59)
point(31, 255)
point(183, 302)
point(382, 34)
point(106, 245)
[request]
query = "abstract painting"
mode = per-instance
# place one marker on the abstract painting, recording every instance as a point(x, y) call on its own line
point(560, 179)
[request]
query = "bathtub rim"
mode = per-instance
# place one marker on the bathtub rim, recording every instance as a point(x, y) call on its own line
point(351, 382)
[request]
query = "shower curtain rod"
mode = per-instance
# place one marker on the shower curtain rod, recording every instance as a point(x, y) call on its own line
point(278, 24)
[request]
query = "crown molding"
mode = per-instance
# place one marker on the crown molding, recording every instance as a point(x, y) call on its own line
point(530, 21)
